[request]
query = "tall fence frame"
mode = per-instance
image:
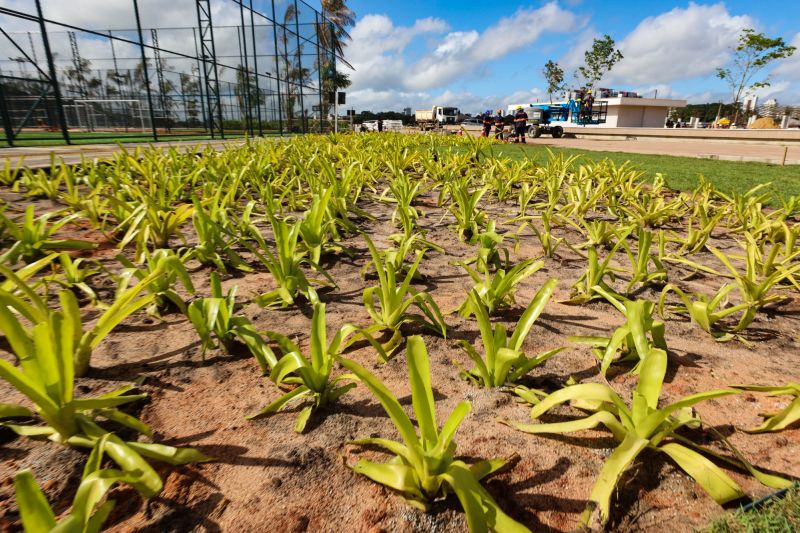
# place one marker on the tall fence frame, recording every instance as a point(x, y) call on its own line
point(280, 82)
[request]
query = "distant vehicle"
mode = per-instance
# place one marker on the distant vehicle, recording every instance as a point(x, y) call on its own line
point(392, 125)
point(472, 122)
point(388, 125)
point(436, 117)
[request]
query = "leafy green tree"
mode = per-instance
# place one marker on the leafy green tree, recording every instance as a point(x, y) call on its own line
point(600, 59)
point(248, 94)
point(754, 52)
point(554, 75)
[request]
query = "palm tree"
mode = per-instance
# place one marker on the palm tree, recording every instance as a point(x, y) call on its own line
point(333, 36)
point(342, 17)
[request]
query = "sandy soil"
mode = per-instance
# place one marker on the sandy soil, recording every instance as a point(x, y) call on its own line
point(268, 478)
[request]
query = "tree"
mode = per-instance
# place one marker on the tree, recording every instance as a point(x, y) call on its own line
point(333, 36)
point(190, 89)
point(600, 59)
point(342, 17)
point(754, 52)
point(248, 94)
point(554, 75)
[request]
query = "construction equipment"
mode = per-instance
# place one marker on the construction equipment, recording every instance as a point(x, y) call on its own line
point(542, 116)
point(436, 117)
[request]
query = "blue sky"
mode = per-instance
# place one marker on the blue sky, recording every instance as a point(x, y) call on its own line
point(486, 54)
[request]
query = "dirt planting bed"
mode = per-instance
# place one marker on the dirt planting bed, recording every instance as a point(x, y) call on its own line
point(266, 477)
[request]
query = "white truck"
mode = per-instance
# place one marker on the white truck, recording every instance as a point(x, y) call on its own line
point(436, 117)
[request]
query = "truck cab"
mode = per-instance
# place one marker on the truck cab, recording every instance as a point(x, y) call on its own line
point(447, 115)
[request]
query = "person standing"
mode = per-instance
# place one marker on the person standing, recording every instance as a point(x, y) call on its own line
point(520, 125)
point(587, 105)
point(487, 123)
point(499, 125)
point(380, 125)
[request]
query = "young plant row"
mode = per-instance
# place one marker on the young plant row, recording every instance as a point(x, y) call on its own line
point(287, 208)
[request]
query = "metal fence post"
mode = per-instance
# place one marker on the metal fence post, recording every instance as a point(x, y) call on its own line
point(144, 70)
point(7, 127)
point(303, 120)
point(320, 80)
point(255, 69)
point(246, 93)
point(277, 69)
point(53, 79)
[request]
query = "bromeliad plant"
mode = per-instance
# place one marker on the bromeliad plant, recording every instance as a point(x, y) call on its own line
point(640, 263)
point(651, 208)
point(214, 317)
point(317, 227)
point(83, 341)
point(173, 271)
point(424, 468)
point(630, 341)
point(756, 288)
point(46, 377)
point(311, 375)
point(547, 240)
point(72, 275)
point(704, 311)
point(504, 361)
point(393, 301)
point(497, 290)
point(489, 251)
point(151, 223)
point(34, 237)
point(285, 266)
point(596, 232)
point(783, 418)
point(583, 291)
point(642, 425)
point(87, 514)
point(216, 242)
point(464, 207)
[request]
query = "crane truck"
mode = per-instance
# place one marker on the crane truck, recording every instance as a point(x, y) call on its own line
point(541, 117)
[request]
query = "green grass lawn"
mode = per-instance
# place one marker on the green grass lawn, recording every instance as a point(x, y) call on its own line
point(683, 173)
point(781, 515)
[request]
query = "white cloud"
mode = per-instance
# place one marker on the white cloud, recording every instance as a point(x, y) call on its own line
point(460, 53)
point(532, 95)
point(377, 50)
point(790, 68)
point(680, 44)
point(456, 42)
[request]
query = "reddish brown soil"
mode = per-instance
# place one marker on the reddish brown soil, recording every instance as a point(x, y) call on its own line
point(268, 478)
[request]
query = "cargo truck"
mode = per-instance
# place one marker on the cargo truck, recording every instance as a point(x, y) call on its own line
point(436, 117)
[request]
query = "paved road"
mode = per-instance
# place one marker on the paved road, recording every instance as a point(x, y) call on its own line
point(729, 151)
point(37, 157)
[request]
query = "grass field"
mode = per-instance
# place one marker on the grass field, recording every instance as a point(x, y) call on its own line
point(781, 515)
point(683, 173)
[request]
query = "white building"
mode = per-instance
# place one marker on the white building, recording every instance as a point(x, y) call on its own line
point(627, 112)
